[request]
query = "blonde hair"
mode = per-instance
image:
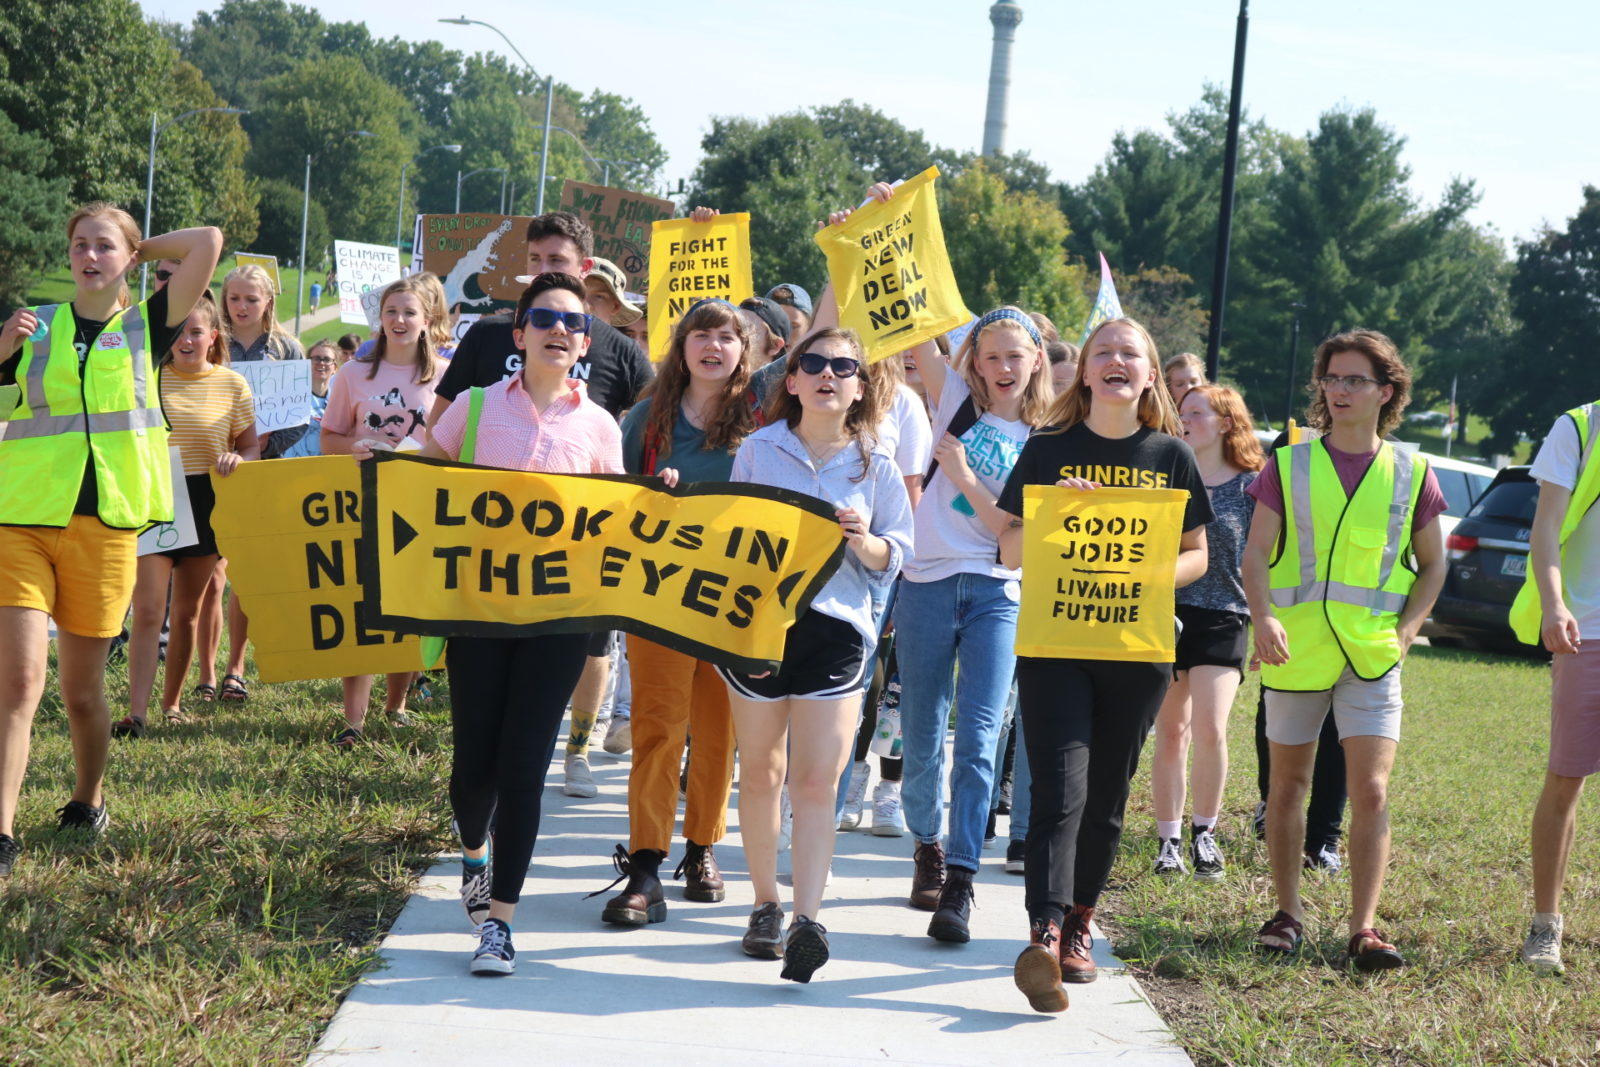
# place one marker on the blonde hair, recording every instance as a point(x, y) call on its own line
point(1185, 359)
point(125, 227)
point(1239, 445)
point(1155, 403)
point(426, 365)
point(251, 274)
point(433, 299)
point(1036, 395)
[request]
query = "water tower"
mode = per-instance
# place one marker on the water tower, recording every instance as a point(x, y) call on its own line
point(1006, 17)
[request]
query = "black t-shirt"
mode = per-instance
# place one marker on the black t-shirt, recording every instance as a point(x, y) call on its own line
point(614, 370)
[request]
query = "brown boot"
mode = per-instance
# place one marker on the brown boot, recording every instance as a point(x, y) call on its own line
point(641, 900)
point(1077, 961)
point(927, 883)
point(705, 880)
point(1037, 971)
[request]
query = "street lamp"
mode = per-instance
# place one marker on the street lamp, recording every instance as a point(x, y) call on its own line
point(150, 173)
point(305, 214)
point(549, 99)
point(481, 170)
point(400, 216)
point(602, 165)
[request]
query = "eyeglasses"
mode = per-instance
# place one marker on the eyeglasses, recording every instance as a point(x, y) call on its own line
point(843, 366)
point(1353, 382)
point(323, 360)
point(162, 274)
point(545, 318)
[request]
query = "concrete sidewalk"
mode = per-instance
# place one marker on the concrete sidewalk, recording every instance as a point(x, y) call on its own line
point(591, 993)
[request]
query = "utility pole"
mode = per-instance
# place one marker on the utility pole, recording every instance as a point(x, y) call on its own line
point(1219, 277)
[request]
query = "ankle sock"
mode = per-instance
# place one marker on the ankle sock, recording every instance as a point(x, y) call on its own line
point(1167, 830)
point(1551, 917)
point(474, 864)
point(1206, 822)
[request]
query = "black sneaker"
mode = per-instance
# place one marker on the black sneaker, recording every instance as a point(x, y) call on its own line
point(1325, 859)
point(1170, 859)
point(1206, 856)
point(495, 955)
point(1017, 857)
point(475, 883)
point(77, 815)
point(1258, 821)
point(949, 923)
point(764, 938)
point(989, 831)
point(8, 854)
point(804, 950)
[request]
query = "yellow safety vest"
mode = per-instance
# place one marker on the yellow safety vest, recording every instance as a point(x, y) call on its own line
point(1527, 616)
point(1341, 580)
point(108, 412)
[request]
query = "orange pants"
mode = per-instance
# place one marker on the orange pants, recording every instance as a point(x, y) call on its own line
point(674, 695)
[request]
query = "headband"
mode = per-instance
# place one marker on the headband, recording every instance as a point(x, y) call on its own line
point(1012, 315)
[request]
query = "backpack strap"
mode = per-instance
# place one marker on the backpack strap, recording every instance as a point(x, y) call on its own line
point(965, 418)
point(469, 440)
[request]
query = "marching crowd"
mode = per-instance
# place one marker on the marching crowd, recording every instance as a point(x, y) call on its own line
point(1317, 561)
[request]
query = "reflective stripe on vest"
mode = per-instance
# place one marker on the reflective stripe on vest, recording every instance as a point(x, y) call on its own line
point(1527, 614)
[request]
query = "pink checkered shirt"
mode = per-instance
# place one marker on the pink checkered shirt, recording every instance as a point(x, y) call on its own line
point(574, 436)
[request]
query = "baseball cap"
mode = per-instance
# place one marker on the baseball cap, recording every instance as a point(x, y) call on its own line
point(788, 293)
point(769, 313)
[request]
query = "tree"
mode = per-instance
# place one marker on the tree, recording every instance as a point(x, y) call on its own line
point(615, 128)
point(1164, 300)
point(244, 44)
point(881, 147)
point(200, 165)
point(281, 208)
point(33, 211)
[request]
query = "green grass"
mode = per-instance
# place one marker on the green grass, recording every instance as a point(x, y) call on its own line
point(1457, 902)
point(1431, 439)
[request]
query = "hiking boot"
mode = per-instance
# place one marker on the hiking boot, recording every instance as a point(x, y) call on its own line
point(1169, 860)
point(641, 900)
point(927, 883)
point(887, 818)
point(1037, 971)
point(949, 923)
point(1207, 857)
point(1077, 959)
point(855, 795)
point(705, 880)
point(804, 950)
point(764, 938)
point(1541, 951)
point(76, 815)
point(580, 781)
point(494, 954)
point(1325, 859)
point(619, 739)
point(1017, 857)
point(8, 854)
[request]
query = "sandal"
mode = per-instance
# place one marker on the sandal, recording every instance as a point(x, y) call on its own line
point(233, 688)
point(175, 717)
point(128, 726)
point(1376, 955)
point(398, 719)
point(205, 692)
point(1280, 935)
point(349, 739)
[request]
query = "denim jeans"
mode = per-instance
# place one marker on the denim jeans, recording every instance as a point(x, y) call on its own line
point(966, 621)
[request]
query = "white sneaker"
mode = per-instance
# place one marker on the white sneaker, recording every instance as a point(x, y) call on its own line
point(887, 819)
point(785, 821)
point(580, 782)
point(855, 795)
point(1542, 949)
point(619, 739)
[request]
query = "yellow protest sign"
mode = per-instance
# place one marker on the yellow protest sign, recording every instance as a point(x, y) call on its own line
point(691, 261)
point(1098, 573)
point(717, 570)
point(890, 273)
point(265, 262)
point(289, 530)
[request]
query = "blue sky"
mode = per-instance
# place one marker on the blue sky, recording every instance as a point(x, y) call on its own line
point(1505, 94)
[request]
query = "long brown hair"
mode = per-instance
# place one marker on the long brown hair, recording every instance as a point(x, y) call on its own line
point(1036, 395)
point(861, 421)
point(731, 418)
point(217, 351)
point(1387, 367)
point(426, 365)
point(1240, 448)
point(126, 228)
point(1155, 403)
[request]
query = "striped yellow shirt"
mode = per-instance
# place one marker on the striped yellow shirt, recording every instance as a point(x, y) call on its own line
point(207, 411)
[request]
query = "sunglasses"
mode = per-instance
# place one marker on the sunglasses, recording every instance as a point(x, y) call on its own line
point(843, 366)
point(163, 275)
point(545, 318)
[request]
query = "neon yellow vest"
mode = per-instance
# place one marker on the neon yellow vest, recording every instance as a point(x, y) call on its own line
point(108, 412)
point(1342, 578)
point(1527, 616)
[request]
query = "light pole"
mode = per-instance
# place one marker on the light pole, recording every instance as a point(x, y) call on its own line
point(549, 98)
point(602, 165)
point(150, 173)
point(400, 216)
point(481, 170)
point(1294, 356)
point(1230, 160)
point(305, 215)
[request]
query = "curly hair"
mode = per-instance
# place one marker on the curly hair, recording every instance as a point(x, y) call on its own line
point(1387, 367)
point(1239, 445)
point(861, 423)
point(1156, 409)
point(732, 418)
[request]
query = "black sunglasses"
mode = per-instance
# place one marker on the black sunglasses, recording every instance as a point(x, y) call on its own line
point(843, 366)
point(162, 275)
point(545, 318)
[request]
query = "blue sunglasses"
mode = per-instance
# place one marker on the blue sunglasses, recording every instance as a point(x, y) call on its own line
point(545, 318)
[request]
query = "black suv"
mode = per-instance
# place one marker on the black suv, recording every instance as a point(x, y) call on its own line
point(1488, 556)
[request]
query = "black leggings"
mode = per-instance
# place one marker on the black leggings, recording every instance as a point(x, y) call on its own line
point(507, 699)
point(1325, 809)
point(1085, 721)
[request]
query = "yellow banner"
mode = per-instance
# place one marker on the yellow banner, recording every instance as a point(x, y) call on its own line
point(691, 261)
point(1098, 573)
point(289, 529)
point(890, 272)
point(717, 570)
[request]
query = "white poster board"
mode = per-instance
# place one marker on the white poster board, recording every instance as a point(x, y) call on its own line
point(180, 532)
point(282, 389)
point(362, 268)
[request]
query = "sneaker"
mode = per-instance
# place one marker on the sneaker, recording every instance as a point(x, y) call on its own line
point(580, 782)
point(1207, 857)
point(1325, 859)
point(887, 818)
point(764, 938)
point(8, 854)
point(475, 883)
point(619, 739)
point(855, 795)
point(1017, 857)
point(1541, 951)
point(804, 950)
point(989, 834)
point(1170, 859)
point(927, 881)
point(1258, 821)
point(785, 821)
point(949, 923)
point(495, 955)
point(76, 815)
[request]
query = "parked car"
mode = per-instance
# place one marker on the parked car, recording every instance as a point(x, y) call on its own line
point(1487, 559)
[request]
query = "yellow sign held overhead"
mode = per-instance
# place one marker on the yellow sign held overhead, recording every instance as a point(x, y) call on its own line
point(691, 261)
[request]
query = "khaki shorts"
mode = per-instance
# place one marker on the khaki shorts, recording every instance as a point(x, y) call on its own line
point(1360, 709)
point(81, 574)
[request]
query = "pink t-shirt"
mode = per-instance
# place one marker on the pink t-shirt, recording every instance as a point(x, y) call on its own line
point(574, 435)
point(391, 405)
point(1350, 466)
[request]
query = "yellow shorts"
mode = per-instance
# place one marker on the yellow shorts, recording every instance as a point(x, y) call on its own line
point(82, 574)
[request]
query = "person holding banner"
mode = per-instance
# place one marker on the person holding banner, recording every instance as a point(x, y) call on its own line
point(213, 420)
point(1341, 569)
point(818, 440)
point(83, 465)
point(1086, 719)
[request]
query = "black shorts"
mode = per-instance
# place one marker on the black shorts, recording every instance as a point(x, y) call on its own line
point(202, 501)
point(824, 658)
point(1211, 638)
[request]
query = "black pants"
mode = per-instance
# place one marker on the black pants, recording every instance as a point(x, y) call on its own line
point(1085, 721)
point(1325, 808)
point(507, 698)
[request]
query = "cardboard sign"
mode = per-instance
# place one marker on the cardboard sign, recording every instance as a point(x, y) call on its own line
point(690, 261)
point(180, 532)
point(890, 272)
point(477, 257)
point(359, 269)
point(282, 390)
point(290, 530)
point(621, 222)
point(1098, 573)
point(719, 570)
point(266, 263)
